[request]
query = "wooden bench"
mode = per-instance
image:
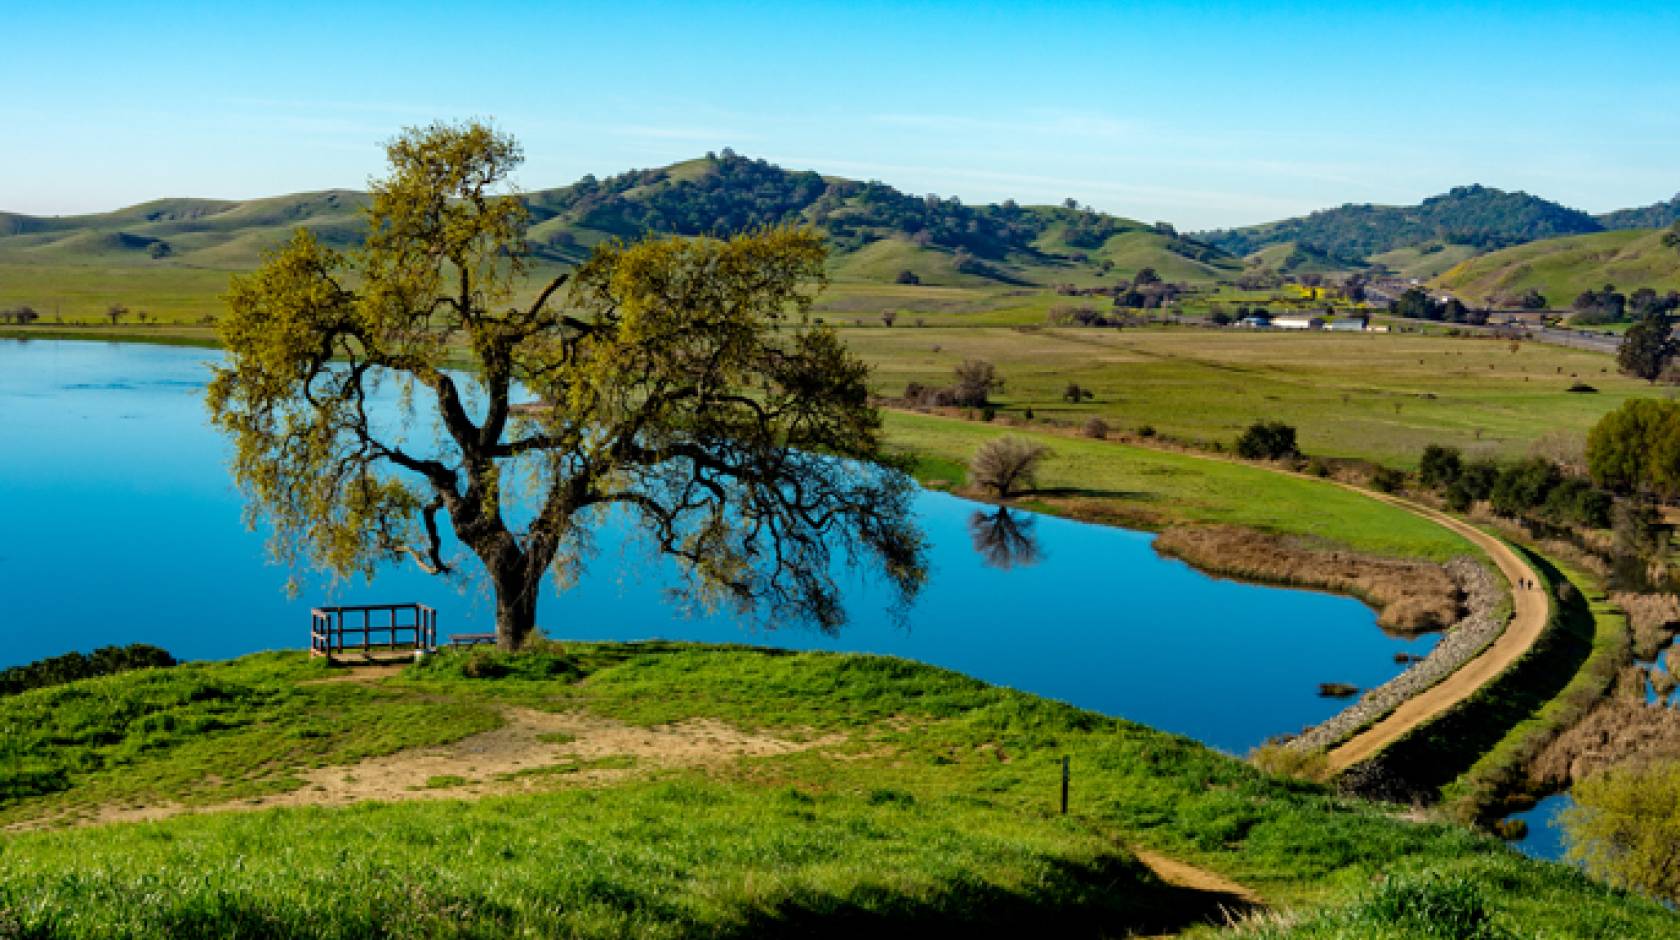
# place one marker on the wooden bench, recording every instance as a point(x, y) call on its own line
point(472, 639)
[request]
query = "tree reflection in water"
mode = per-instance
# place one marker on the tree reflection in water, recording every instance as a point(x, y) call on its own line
point(1004, 541)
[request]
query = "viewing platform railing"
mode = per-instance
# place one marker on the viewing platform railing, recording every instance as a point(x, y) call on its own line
point(372, 628)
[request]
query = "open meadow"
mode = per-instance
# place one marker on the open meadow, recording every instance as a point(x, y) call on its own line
point(1381, 397)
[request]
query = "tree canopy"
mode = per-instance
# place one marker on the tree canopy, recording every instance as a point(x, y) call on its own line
point(1636, 448)
point(678, 383)
point(1647, 347)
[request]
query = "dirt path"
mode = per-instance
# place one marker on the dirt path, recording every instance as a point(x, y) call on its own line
point(1185, 875)
point(1532, 608)
point(533, 750)
point(1531, 611)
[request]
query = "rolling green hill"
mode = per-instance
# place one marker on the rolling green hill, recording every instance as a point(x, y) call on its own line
point(1656, 215)
point(1475, 216)
point(156, 255)
point(1561, 268)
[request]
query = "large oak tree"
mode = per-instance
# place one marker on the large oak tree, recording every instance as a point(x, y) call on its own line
point(676, 383)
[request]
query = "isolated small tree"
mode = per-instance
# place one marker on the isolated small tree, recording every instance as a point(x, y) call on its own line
point(1647, 348)
point(888, 318)
point(1007, 465)
point(677, 385)
point(1076, 393)
point(1439, 466)
point(976, 379)
point(1267, 440)
point(908, 276)
point(115, 313)
point(1625, 828)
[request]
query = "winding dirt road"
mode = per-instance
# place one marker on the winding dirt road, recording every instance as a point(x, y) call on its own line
point(1532, 609)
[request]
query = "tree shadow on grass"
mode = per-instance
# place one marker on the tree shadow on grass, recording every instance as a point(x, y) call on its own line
point(1114, 897)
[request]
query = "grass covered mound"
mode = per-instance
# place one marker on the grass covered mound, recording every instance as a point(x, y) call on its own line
point(902, 798)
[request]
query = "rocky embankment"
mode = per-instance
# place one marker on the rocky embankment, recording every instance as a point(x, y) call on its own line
point(1462, 642)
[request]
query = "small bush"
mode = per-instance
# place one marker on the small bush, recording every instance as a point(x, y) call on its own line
point(1267, 440)
point(1387, 480)
point(1439, 466)
point(1281, 761)
point(1146, 430)
point(1581, 388)
point(1096, 428)
point(105, 661)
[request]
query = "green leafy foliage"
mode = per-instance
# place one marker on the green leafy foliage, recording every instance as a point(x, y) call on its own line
point(1267, 440)
point(1625, 827)
point(105, 661)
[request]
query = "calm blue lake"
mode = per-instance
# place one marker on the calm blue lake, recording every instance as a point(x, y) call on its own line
point(118, 524)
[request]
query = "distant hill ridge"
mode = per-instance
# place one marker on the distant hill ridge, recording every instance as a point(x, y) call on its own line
point(1477, 216)
point(876, 231)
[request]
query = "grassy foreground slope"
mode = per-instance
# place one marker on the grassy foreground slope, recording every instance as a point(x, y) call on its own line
point(915, 799)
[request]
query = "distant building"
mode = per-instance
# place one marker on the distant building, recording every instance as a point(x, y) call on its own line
point(1348, 325)
point(1298, 323)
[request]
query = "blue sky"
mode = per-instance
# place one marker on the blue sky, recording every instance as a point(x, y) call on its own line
point(1201, 114)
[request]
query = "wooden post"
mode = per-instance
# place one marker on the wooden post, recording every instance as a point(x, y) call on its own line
point(1064, 784)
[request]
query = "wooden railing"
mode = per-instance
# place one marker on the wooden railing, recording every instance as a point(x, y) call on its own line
point(372, 628)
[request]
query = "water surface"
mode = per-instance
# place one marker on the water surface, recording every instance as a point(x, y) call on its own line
point(118, 524)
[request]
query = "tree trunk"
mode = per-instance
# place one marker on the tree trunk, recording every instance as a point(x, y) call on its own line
point(516, 611)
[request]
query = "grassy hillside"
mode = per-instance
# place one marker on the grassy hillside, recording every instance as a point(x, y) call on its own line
point(155, 256)
point(1295, 258)
point(1561, 268)
point(1424, 261)
point(897, 798)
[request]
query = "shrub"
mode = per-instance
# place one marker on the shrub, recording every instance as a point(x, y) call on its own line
point(1076, 393)
point(1624, 829)
point(1524, 486)
point(1146, 430)
point(1387, 480)
point(1267, 440)
point(1007, 465)
point(1282, 761)
point(1096, 427)
point(976, 379)
point(105, 661)
point(1439, 466)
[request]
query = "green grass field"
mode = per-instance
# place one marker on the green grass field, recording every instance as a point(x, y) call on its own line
point(1155, 488)
point(1382, 397)
point(927, 802)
